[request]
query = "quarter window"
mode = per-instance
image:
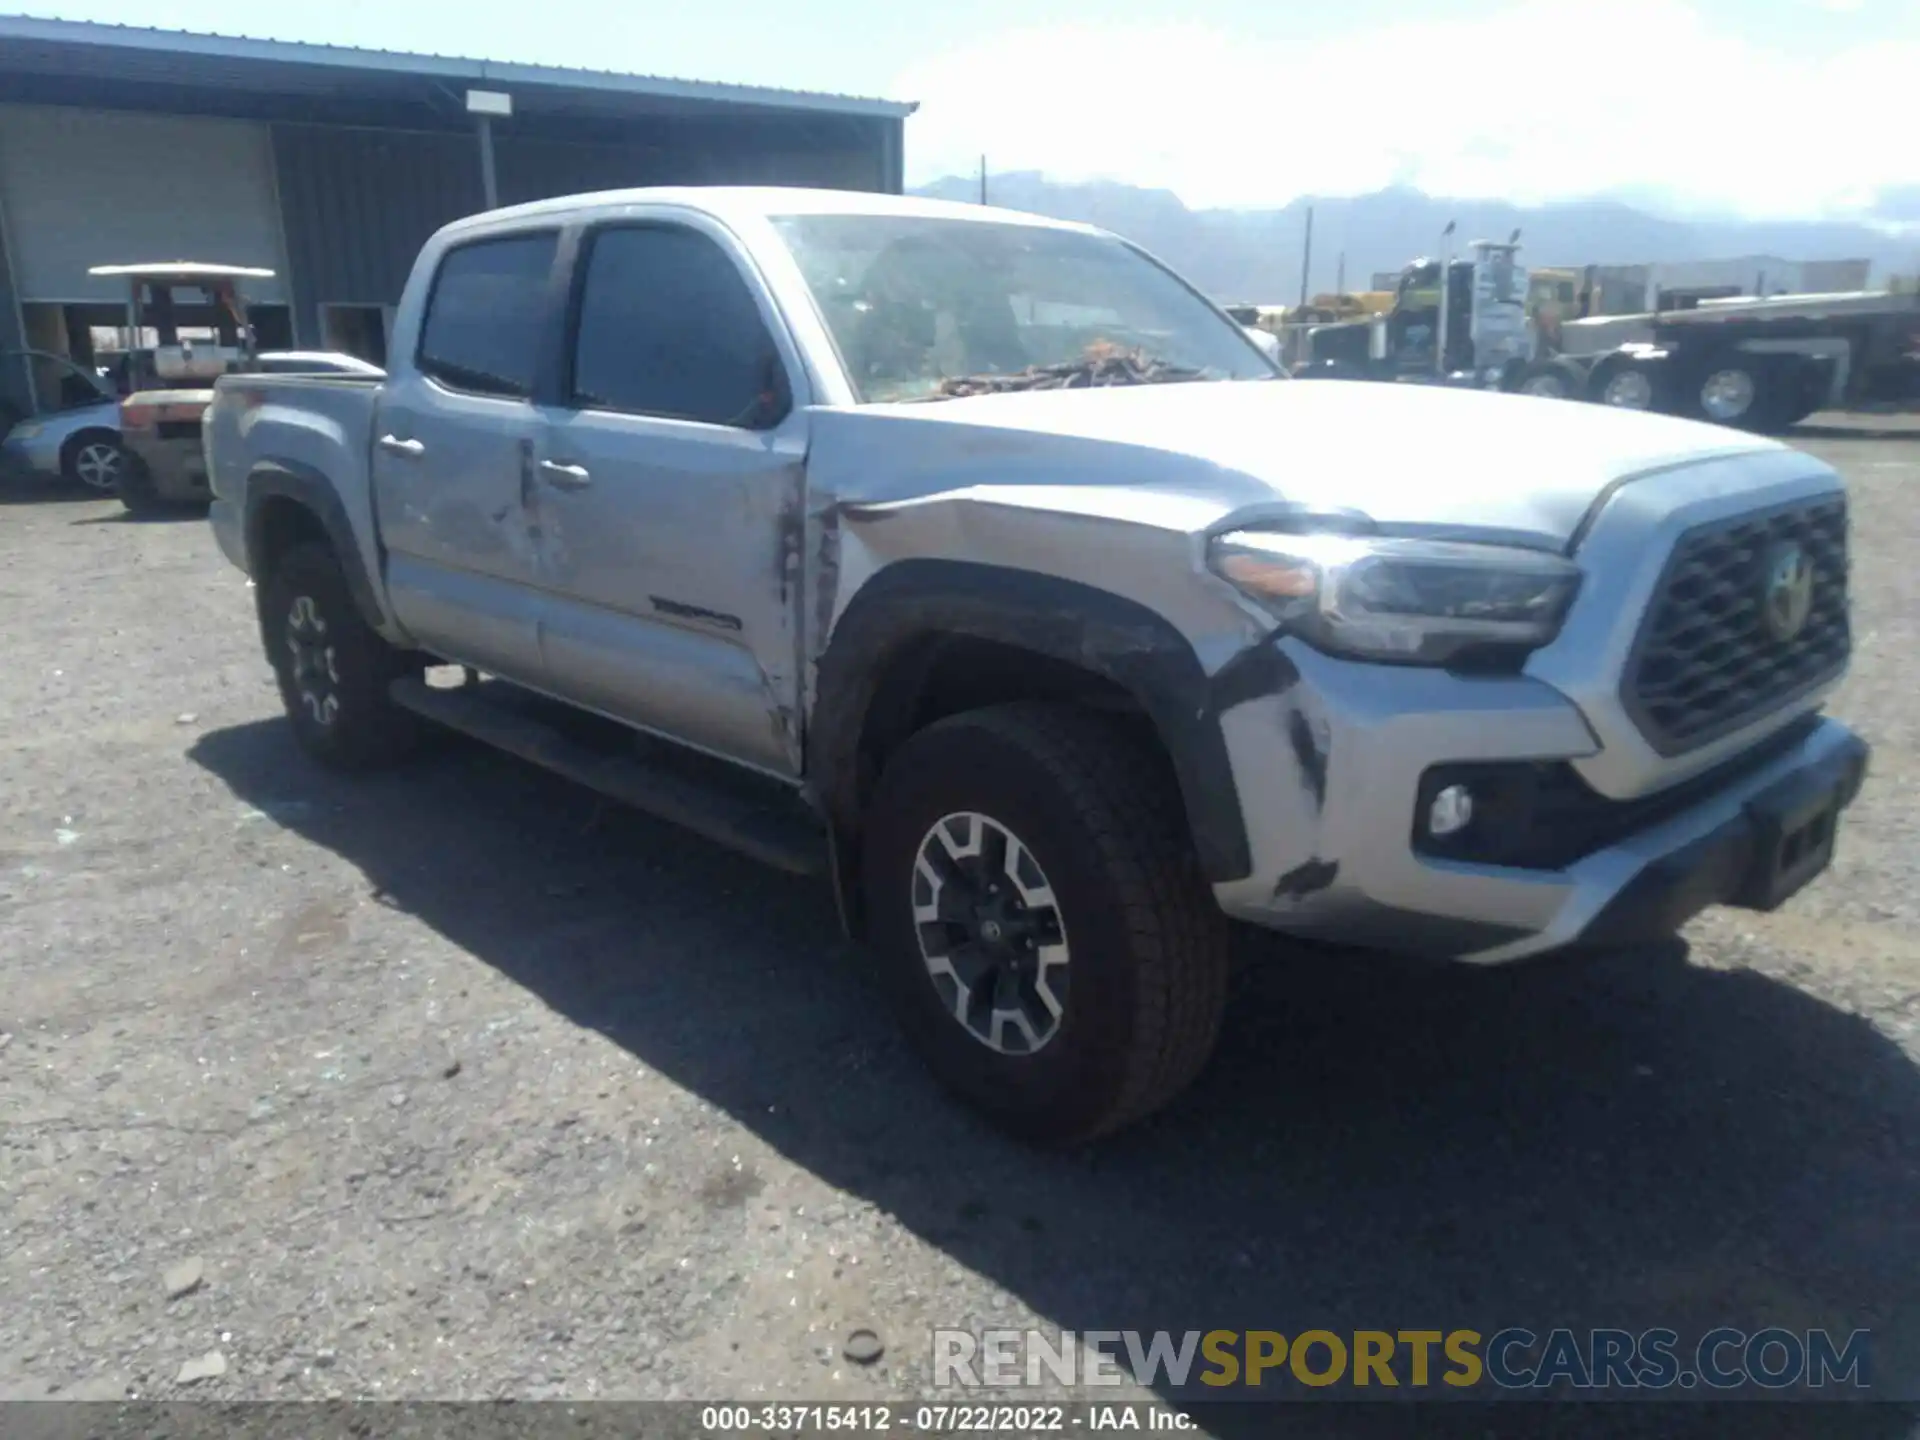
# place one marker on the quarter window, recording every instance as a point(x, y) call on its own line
point(486, 313)
point(668, 327)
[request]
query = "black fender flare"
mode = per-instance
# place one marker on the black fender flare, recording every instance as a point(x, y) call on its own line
point(313, 492)
point(1096, 630)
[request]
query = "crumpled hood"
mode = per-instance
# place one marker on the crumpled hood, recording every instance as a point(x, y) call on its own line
point(1408, 456)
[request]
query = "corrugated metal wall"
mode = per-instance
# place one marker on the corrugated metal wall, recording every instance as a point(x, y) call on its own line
point(785, 152)
point(358, 204)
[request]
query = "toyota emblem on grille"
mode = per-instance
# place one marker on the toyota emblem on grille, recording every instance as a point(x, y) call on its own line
point(1787, 593)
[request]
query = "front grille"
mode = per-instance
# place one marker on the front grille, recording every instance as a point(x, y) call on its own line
point(179, 429)
point(1706, 661)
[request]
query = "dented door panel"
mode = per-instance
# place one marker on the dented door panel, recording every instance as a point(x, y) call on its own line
point(668, 579)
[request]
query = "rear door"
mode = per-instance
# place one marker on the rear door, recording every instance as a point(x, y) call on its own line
point(668, 493)
point(453, 455)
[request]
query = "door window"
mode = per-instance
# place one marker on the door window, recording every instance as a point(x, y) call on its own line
point(486, 315)
point(668, 327)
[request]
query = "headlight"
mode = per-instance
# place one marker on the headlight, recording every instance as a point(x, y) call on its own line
point(25, 431)
point(1418, 602)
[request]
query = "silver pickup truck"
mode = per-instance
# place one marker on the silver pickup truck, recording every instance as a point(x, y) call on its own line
point(978, 563)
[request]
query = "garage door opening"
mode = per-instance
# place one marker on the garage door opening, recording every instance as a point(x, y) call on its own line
point(96, 338)
point(357, 330)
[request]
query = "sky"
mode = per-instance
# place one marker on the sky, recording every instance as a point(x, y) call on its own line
point(1756, 108)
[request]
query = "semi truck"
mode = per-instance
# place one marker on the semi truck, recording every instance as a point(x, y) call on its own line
point(1759, 363)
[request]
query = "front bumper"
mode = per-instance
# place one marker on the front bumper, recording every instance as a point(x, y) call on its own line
point(1330, 770)
point(29, 459)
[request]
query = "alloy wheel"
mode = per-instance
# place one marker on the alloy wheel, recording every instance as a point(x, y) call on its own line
point(1726, 395)
point(1630, 390)
point(991, 933)
point(97, 465)
point(316, 674)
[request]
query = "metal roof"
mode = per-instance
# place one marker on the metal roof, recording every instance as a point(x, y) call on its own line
point(243, 59)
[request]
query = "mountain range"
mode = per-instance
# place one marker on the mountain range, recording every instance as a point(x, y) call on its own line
point(1254, 256)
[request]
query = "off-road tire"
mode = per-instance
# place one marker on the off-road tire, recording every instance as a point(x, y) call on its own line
point(367, 730)
point(1099, 811)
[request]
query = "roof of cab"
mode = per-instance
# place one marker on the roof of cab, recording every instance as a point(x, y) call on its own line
point(737, 202)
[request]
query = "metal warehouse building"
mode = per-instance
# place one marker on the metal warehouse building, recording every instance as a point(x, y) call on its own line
point(330, 166)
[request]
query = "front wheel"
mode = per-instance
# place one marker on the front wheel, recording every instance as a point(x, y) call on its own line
point(1045, 932)
point(93, 459)
point(333, 669)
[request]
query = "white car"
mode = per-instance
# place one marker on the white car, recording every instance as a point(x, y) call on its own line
point(78, 437)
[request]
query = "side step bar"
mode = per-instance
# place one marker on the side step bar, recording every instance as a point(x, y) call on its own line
point(776, 831)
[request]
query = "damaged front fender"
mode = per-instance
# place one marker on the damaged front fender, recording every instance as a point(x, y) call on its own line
point(1106, 635)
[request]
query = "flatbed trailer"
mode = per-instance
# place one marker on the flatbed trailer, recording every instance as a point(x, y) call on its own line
point(1756, 363)
point(1763, 363)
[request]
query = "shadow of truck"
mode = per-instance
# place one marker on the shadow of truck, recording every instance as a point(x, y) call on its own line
point(1629, 1141)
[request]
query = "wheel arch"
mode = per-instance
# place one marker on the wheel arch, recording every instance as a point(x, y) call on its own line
point(91, 432)
point(288, 503)
point(926, 638)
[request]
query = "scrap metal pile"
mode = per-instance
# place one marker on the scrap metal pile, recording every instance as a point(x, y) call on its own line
point(1100, 366)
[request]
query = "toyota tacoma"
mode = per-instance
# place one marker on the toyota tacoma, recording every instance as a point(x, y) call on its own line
point(979, 564)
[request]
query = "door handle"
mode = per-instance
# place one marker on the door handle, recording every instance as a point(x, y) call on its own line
point(412, 449)
point(565, 477)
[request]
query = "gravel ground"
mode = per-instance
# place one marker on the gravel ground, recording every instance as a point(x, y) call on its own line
point(455, 1083)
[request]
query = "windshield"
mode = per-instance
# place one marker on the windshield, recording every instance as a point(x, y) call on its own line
point(1503, 278)
point(925, 308)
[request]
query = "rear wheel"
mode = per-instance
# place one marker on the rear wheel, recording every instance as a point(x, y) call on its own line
point(333, 669)
point(1045, 932)
point(1732, 390)
point(1626, 385)
point(93, 458)
point(1550, 380)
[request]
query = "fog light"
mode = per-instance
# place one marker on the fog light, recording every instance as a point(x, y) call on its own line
point(1451, 811)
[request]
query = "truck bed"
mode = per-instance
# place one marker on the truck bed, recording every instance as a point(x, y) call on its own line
point(317, 426)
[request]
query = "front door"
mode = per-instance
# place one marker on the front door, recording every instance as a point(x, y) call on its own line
point(668, 494)
point(453, 458)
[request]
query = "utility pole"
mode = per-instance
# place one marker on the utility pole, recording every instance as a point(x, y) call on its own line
point(1340, 276)
point(1306, 258)
point(1446, 287)
point(983, 179)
